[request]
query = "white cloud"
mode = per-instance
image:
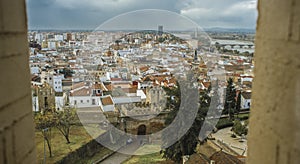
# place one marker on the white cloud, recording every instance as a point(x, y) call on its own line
point(230, 13)
point(89, 13)
point(95, 4)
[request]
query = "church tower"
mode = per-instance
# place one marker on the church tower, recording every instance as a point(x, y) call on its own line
point(195, 56)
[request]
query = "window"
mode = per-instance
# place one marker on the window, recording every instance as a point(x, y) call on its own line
point(93, 102)
point(46, 102)
point(75, 102)
point(81, 101)
point(87, 101)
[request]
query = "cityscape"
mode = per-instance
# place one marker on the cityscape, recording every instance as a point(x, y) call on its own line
point(127, 79)
point(149, 82)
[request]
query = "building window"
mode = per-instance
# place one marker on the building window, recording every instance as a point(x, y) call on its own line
point(87, 101)
point(93, 102)
point(81, 101)
point(75, 102)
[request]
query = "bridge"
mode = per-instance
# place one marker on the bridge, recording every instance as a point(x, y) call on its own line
point(233, 43)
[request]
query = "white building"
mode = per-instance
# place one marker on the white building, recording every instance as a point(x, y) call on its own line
point(246, 100)
point(52, 45)
point(35, 104)
point(107, 104)
point(59, 37)
point(54, 81)
point(59, 102)
point(39, 38)
point(85, 95)
point(46, 77)
point(57, 83)
point(35, 70)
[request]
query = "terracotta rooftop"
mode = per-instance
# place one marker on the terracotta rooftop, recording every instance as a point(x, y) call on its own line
point(116, 79)
point(99, 86)
point(129, 90)
point(143, 69)
point(107, 100)
point(80, 92)
point(206, 84)
point(78, 85)
point(109, 87)
point(198, 159)
point(221, 157)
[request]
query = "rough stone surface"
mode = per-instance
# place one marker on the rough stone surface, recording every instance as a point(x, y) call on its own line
point(274, 121)
point(16, 123)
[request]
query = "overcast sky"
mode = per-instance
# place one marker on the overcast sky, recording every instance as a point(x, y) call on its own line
point(89, 14)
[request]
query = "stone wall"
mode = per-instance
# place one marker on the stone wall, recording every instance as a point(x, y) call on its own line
point(84, 153)
point(274, 135)
point(16, 123)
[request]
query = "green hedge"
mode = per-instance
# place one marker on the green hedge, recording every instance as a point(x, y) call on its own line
point(224, 123)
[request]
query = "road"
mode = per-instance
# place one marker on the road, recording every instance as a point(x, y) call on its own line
point(118, 158)
point(224, 135)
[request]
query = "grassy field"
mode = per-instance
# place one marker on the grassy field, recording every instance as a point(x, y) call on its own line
point(60, 148)
point(244, 116)
point(156, 158)
point(148, 158)
point(145, 159)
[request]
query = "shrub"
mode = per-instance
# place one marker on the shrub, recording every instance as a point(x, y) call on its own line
point(239, 129)
point(224, 123)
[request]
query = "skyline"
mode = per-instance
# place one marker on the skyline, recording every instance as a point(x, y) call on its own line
point(89, 14)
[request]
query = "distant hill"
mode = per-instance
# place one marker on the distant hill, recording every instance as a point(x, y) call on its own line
point(237, 30)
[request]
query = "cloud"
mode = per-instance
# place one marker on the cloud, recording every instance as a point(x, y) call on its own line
point(229, 13)
point(103, 5)
point(91, 13)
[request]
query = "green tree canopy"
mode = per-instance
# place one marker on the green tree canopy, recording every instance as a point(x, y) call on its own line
point(187, 144)
point(230, 101)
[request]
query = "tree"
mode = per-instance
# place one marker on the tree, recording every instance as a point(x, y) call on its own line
point(239, 129)
point(230, 101)
point(187, 144)
point(217, 44)
point(67, 72)
point(238, 104)
point(44, 123)
point(64, 120)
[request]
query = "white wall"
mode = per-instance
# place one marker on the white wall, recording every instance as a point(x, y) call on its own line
point(35, 70)
point(57, 83)
point(84, 101)
point(35, 104)
point(59, 102)
point(245, 103)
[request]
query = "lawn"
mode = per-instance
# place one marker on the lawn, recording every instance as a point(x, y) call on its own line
point(60, 148)
point(244, 116)
point(145, 159)
point(148, 158)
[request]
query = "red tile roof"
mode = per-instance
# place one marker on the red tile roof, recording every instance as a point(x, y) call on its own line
point(81, 92)
point(198, 159)
point(107, 101)
point(99, 86)
point(221, 157)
